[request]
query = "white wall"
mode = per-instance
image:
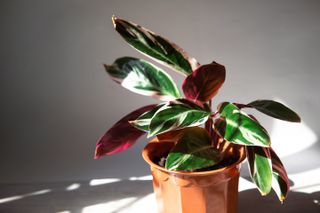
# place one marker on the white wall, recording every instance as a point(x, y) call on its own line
point(56, 100)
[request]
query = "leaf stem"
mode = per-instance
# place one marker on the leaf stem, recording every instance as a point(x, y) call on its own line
point(240, 106)
point(214, 114)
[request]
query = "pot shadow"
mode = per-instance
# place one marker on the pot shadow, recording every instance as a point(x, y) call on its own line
point(250, 201)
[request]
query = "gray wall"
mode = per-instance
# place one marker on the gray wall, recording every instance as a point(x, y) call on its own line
point(56, 100)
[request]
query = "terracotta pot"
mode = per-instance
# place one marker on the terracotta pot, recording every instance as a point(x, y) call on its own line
point(214, 191)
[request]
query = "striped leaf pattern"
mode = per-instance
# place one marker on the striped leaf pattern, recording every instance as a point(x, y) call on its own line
point(177, 115)
point(260, 167)
point(155, 46)
point(192, 151)
point(143, 121)
point(240, 128)
point(144, 78)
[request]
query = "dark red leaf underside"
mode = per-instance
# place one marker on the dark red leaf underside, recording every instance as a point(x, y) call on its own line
point(121, 135)
point(278, 168)
point(205, 82)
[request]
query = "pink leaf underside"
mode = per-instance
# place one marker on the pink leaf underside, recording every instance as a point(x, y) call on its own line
point(121, 135)
point(204, 83)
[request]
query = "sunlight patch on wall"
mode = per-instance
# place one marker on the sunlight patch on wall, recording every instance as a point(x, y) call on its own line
point(17, 197)
point(73, 187)
point(245, 184)
point(9, 199)
point(147, 177)
point(306, 182)
point(290, 138)
point(147, 204)
point(112, 206)
point(96, 182)
point(41, 192)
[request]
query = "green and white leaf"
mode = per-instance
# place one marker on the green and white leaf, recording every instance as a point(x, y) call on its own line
point(192, 151)
point(275, 109)
point(144, 78)
point(260, 167)
point(143, 121)
point(280, 186)
point(280, 182)
point(174, 116)
point(155, 46)
point(241, 129)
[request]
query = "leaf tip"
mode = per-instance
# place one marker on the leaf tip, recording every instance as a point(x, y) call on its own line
point(108, 68)
point(263, 194)
point(133, 123)
point(221, 106)
point(114, 19)
point(97, 153)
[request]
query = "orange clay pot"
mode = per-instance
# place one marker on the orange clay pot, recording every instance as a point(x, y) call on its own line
point(214, 191)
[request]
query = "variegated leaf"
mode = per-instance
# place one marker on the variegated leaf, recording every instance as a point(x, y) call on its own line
point(204, 83)
point(143, 121)
point(192, 151)
point(155, 46)
point(121, 135)
point(241, 129)
point(260, 167)
point(176, 115)
point(172, 136)
point(280, 183)
point(144, 78)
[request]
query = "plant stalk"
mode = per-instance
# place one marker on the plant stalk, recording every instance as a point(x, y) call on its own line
point(208, 124)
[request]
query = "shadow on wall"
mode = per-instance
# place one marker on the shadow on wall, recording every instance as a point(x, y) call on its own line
point(120, 196)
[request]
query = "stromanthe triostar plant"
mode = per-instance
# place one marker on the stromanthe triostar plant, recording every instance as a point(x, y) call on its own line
point(180, 117)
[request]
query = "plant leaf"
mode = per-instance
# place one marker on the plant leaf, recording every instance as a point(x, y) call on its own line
point(143, 121)
point(172, 136)
point(275, 109)
point(260, 167)
point(176, 115)
point(192, 151)
point(121, 135)
point(155, 46)
point(280, 183)
point(241, 129)
point(144, 78)
point(220, 125)
point(204, 83)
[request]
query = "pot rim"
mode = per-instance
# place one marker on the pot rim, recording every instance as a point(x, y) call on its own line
point(203, 173)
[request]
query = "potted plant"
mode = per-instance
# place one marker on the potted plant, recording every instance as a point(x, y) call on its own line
point(197, 149)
